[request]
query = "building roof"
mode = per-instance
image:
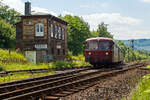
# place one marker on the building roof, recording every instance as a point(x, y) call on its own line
point(99, 38)
point(41, 14)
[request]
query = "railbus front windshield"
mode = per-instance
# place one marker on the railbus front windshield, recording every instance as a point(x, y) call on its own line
point(92, 45)
point(101, 45)
point(104, 45)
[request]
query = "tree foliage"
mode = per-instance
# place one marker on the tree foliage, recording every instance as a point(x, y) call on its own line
point(78, 31)
point(7, 35)
point(130, 54)
point(102, 31)
point(9, 15)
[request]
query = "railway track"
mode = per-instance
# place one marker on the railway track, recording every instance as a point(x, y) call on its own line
point(6, 73)
point(55, 87)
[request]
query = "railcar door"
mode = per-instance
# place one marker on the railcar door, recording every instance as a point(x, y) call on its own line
point(115, 53)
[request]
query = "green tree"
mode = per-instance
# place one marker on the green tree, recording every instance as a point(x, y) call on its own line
point(94, 34)
point(9, 15)
point(103, 31)
point(7, 35)
point(78, 31)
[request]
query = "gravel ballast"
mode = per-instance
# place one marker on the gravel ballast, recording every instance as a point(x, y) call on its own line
point(111, 88)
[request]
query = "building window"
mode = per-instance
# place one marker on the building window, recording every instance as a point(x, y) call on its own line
point(56, 31)
point(52, 50)
point(28, 22)
point(52, 33)
point(39, 30)
point(59, 32)
point(63, 34)
point(58, 51)
point(63, 51)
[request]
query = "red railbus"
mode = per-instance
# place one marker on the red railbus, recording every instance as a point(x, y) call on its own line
point(101, 50)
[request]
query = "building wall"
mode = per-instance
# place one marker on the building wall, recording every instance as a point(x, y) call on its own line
point(58, 46)
point(26, 41)
point(29, 27)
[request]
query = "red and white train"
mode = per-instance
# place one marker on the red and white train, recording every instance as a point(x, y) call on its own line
point(102, 50)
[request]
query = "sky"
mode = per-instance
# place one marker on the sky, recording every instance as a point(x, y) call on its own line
point(126, 19)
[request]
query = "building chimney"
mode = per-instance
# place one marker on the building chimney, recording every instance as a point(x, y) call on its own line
point(27, 8)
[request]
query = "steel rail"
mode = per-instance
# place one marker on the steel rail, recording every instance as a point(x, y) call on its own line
point(5, 73)
point(35, 90)
point(43, 77)
point(48, 84)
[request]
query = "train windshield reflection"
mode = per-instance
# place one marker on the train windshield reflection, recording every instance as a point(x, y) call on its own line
point(104, 45)
point(93, 45)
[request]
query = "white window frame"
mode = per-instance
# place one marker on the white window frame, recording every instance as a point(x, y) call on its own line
point(59, 32)
point(56, 31)
point(52, 32)
point(39, 31)
point(63, 34)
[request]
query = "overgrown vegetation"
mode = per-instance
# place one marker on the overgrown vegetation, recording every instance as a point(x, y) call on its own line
point(71, 61)
point(6, 54)
point(132, 55)
point(23, 76)
point(143, 90)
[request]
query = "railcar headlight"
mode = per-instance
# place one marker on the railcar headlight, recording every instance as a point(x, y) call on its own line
point(107, 53)
point(89, 53)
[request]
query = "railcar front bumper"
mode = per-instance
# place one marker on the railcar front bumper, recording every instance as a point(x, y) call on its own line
point(97, 60)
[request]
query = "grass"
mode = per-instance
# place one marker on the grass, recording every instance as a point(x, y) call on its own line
point(143, 90)
point(4, 54)
point(26, 66)
point(74, 61)
point(19, 76)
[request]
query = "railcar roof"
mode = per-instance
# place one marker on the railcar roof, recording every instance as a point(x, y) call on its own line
point(99, 38)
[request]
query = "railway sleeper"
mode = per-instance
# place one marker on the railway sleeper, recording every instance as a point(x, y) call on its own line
point(51, 98)
point(72, 85)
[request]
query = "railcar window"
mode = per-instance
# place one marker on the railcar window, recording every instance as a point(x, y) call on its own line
point(93, 45)
point(104, 45)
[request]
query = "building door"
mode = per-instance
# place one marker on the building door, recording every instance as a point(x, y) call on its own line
point(31, 56)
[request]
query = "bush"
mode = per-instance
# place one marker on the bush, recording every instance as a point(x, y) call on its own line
point(66, 64)
point(1, 68)
point(69, 56)
point(60, 64)
point(143, 91)
point(5, 54)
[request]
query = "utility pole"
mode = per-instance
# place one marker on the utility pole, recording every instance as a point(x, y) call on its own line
point(132, 46)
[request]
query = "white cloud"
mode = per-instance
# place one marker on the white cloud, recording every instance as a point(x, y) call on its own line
point(122, 27)
point(67, 13)
point(146, 1)
point(93, 6)
point(114, 19)
point(18, 5)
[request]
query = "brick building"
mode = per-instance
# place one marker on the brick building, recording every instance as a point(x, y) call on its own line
point(41, 37)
